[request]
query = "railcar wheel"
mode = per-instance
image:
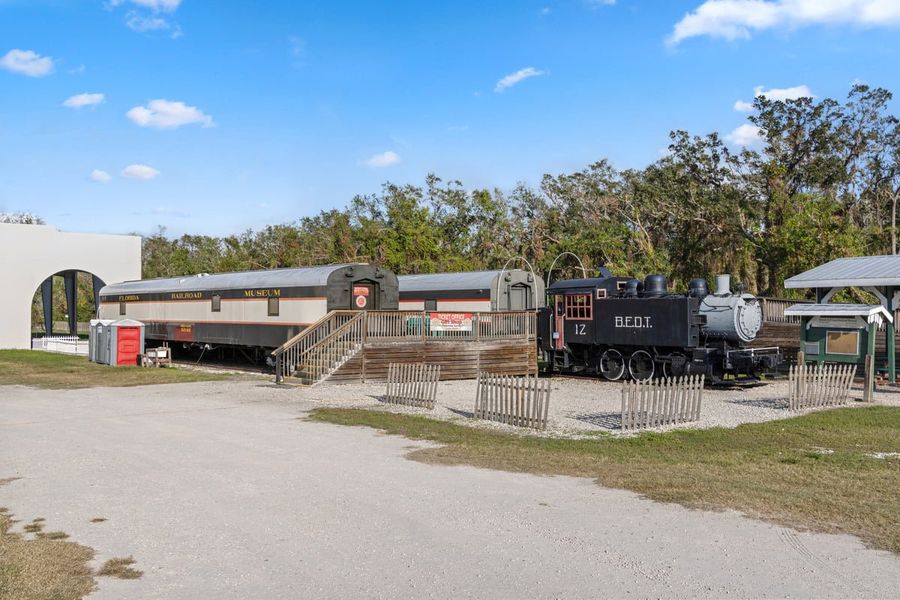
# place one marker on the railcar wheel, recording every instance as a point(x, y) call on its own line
point(612, 365)
point(640, 365)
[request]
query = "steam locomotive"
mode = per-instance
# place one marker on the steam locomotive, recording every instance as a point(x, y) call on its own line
point(622, 327)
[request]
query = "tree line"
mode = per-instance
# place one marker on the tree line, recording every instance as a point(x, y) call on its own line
point(822, 182)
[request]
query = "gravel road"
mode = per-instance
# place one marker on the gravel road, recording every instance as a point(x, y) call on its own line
point(221, 490)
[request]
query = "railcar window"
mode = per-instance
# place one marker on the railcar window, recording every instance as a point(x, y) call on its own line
point(273, 307)
point(216, 303)
point(579, 307)
point(621, 285)
point(121, 308)
point(431, 305)
point(601, 294)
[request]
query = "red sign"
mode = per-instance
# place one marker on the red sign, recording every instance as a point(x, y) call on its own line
point(184, 332)
point(360, 291)
point(451, 321)
point(361, 301)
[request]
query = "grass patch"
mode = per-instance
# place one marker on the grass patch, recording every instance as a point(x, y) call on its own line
point(119, 568)
point(774, 471)
point(42, 568)
point(57, 371)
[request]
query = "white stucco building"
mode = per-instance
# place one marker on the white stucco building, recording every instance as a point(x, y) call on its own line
point(29, 254)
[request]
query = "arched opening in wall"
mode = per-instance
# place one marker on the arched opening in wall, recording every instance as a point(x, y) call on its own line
point(64, 304)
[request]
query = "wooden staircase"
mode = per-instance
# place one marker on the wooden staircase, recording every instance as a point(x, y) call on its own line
point(319, 350)
point(347, 346)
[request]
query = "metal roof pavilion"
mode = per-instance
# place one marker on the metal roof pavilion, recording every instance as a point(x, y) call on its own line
point(860, 271)
point(879, 275)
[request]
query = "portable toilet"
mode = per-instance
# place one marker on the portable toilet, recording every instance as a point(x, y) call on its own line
point(126, 342)
point(98, 345)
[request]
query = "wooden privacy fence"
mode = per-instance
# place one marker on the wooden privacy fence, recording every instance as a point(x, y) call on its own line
point(412, 384)
point(519, 401)
point(819, 385)
point(661, 401)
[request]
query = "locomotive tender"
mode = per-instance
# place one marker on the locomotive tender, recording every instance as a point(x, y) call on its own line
point(619, 326)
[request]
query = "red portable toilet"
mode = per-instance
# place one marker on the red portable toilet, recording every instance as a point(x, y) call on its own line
point(126, 342)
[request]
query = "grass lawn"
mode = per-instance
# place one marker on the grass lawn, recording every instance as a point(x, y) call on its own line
point(55, 371)
point(808, 472)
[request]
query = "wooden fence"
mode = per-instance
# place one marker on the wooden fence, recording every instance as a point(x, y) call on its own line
point(661, 401)
point(519, 401)
point(412, 384)
point(819, 385)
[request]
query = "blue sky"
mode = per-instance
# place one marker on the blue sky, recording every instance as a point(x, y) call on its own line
point(218, 116)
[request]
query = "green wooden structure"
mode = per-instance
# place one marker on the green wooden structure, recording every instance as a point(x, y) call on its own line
point(878, 275)
point(838, 333)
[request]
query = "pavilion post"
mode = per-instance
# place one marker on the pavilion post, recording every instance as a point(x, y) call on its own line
point(890, 338)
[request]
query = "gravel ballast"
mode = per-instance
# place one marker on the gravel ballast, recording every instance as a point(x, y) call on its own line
point(582, 406)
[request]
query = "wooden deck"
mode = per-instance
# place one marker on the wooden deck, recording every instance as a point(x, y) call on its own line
point(458, 359)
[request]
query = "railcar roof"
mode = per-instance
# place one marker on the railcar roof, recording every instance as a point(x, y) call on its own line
point(859, 271)
point(472, 280)
point(571, 284)
point(290, 277)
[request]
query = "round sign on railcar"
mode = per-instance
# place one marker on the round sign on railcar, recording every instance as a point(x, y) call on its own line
point(361, 301)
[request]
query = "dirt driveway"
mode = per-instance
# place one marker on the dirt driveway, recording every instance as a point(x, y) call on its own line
point(222, 490)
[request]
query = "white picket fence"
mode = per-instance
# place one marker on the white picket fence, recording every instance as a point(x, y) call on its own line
point(63, 344)
point(413, 384)
point(520, 401)
point(812, 386)
point(660, 402)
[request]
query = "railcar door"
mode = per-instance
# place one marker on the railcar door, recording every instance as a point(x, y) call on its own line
point(559, 323)
point(365, 296)
point(518, 298)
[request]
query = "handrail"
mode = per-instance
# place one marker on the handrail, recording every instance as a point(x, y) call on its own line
point(309, 330)
point(326, 355)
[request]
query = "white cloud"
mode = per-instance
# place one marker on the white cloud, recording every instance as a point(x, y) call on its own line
point(514, 78)
point(27, 62)
point(745, 135)
point(79, 100)
point(154, 5)
point(791, 93)
point(738, 19)
point(165, 114)
point(139, 172)
point(141, 23)
point(385, 159)
point(101, 176)
point(776, 94)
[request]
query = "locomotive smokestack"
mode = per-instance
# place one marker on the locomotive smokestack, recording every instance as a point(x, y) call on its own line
point(723, 285)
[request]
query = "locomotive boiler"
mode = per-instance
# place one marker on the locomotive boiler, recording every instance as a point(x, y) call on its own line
point(621, 327)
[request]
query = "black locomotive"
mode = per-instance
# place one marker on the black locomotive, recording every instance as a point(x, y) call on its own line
point(622, 327)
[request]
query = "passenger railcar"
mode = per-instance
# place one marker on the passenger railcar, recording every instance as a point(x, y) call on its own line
point(258, 309)
point(621, 327)
point(476, 291)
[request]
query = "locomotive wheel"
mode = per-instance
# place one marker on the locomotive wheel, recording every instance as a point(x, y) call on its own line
point(675, 366)
point(612, 365)
point(640, 365)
